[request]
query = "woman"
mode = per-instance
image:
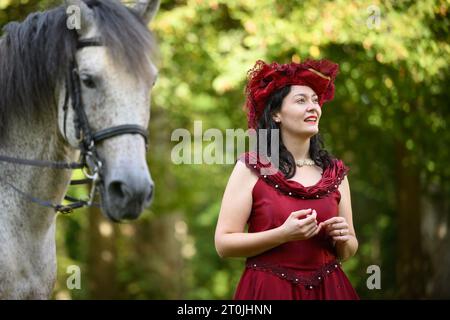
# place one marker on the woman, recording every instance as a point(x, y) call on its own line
point(299, 218)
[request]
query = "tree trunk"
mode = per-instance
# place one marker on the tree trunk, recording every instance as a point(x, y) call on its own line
point(159, 246)
point(411, 264)
point(102, 256)
point(437, 240)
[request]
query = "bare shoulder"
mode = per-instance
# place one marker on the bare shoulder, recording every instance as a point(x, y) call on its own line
point(344, 187)
point(242, 170)
point(345, 182)
point(237, 200)
point(345, 200)
point(243, 176)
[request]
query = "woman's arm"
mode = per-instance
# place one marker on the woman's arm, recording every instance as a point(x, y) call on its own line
point(341, 228)
point(231, 240)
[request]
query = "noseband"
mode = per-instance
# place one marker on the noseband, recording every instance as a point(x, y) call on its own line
point(90, 161)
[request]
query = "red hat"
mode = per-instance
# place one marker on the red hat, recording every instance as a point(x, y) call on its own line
point(264, 79)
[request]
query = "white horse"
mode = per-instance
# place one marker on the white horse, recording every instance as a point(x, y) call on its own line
point(63, 90)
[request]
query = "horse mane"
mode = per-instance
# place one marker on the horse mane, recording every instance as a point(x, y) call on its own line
point(36, 54)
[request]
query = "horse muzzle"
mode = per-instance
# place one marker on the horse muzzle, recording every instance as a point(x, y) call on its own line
point(126, 193)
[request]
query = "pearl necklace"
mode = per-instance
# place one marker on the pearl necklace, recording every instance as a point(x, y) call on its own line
point(305, 162)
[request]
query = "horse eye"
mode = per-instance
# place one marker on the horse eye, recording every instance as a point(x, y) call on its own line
point(88, 81)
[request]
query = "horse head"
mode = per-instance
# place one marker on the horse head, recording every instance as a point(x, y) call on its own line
point(114, 81)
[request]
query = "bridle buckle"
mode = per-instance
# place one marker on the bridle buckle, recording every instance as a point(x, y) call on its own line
point(65, 210)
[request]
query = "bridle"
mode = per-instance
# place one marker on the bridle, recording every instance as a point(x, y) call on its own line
point(90, 161)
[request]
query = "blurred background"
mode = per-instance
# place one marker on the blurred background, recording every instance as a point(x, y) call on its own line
point(389, 122)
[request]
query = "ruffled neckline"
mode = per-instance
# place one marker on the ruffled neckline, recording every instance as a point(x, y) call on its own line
point(332, 177)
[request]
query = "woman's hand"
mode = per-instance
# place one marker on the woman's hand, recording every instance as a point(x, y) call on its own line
point(300, 229)
point(337, 228)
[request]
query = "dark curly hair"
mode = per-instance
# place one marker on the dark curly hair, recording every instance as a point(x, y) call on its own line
point(287, 166)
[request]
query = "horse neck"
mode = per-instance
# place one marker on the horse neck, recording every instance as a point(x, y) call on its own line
point(38, 139)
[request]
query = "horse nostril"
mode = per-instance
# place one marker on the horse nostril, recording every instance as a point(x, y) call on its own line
point(149, 194)
point(119, 190)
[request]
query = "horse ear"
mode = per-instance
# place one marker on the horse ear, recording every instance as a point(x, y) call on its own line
point(79, 17)
point(147, 9)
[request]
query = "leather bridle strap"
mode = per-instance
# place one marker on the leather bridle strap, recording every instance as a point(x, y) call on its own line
point(119, 130)
point(90, 42)
point(82, 128)
point(42, 163)
point(77, 203)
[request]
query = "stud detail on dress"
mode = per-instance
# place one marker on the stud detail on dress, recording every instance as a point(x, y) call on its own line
point(287, 274)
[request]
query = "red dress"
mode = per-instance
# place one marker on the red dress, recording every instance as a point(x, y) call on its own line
point(296, 270)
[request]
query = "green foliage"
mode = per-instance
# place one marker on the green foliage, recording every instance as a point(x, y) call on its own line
point(391, 90)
